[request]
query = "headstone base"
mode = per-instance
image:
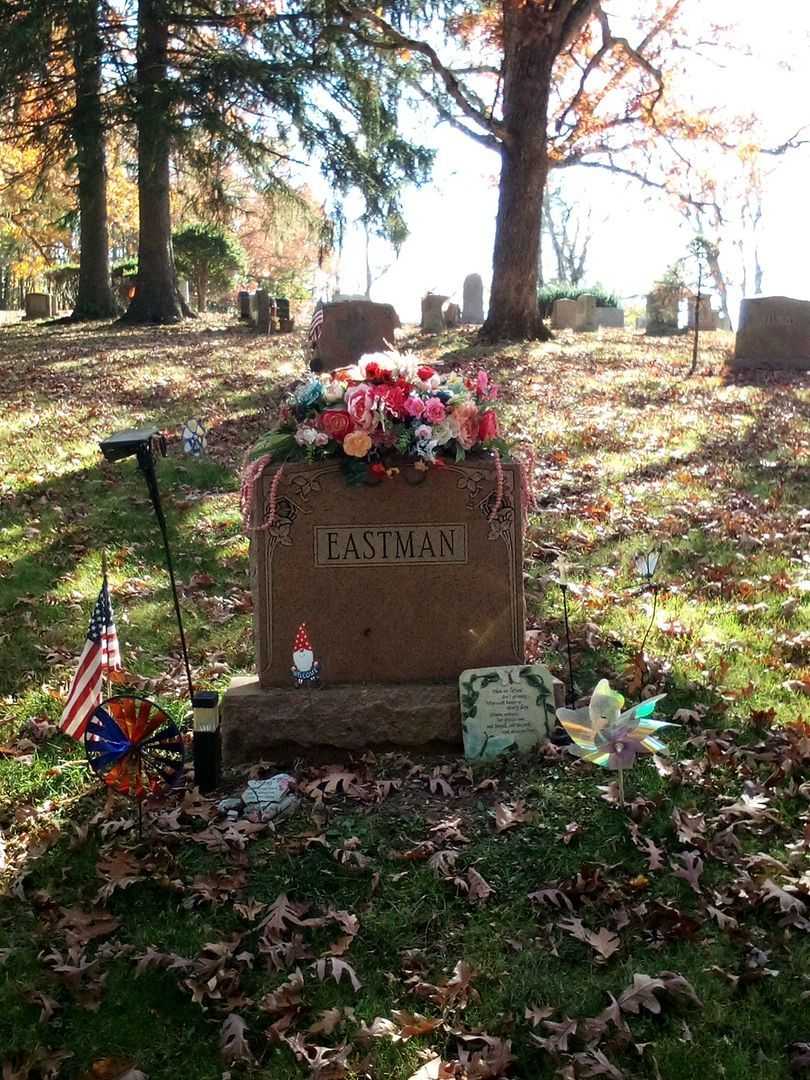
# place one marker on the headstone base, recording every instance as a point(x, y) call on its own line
point(258, 724)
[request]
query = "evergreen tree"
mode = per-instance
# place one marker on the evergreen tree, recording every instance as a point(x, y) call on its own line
point(51, 98)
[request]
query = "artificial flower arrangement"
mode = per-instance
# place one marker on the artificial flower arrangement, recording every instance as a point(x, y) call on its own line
point(386, 408)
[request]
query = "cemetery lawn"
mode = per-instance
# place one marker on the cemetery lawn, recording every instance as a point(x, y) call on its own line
point(503, 919)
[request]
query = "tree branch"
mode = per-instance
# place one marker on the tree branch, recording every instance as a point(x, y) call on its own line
point(493, 130)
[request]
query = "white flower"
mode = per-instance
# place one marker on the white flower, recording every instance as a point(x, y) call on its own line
point(424, 431)
point(333, 391)
point(444, 432)
point(308, 436)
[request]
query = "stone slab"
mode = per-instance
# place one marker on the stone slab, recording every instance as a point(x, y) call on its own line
point(610, 318)
point(473, 299)
point(586, 312)
point(405, 580)
point(507, 707)
point(432, 317)
point(258, 723)
point(773, 331)
point(564, 315)
point(38, 305)
point(352, 328)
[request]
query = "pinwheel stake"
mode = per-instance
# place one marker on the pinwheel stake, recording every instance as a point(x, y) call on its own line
point(646, 565)
point(608, 737)
point(135, 748)
point(563, 568)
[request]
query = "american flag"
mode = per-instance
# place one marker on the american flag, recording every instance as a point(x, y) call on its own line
point(316, 326)
point(99, 655)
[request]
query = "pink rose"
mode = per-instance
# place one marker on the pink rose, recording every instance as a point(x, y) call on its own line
point(358, 405)
point(413, 406)
point(488, 426)
point(467, 418)
point(434, 411)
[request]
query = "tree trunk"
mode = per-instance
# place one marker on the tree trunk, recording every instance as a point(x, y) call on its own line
point(529, 53)
point(156, 299)
point(95, 299)
point(718, 277)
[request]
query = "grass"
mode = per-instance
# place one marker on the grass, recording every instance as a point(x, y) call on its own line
point(629, 455)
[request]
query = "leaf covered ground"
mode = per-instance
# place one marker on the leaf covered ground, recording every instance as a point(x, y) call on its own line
point(417, 917)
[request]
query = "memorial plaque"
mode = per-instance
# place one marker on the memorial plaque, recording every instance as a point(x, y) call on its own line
point(412, 579)
point(506, 707)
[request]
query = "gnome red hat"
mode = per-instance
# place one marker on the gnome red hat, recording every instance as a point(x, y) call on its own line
point(303, 655)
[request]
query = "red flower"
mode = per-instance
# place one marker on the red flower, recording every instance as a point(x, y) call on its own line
point(373, 370)
point(336, 423)
point(488, 426)
point(378, 469)
point(425, 373)
point(395, 401)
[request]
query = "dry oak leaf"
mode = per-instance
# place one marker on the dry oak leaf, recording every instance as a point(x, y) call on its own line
point(411, 1024)
point(642, 994)
point(324, 1062)
point(284, 997)
point(337, 968)
point(557, 1041)
point(691, 869)
point(536, 1013)
point(233, 1040)
point(329, 1020)
point(509, 817)
point(603, 941)
point(479, 889)
point(788, 903)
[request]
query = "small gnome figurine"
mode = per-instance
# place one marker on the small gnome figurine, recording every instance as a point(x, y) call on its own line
point(305, 670)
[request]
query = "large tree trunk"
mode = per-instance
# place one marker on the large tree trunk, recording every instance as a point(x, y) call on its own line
point(529, 53)
point(156, 299)
point(95, 299)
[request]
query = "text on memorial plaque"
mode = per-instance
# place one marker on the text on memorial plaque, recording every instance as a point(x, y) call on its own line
point(375, 545)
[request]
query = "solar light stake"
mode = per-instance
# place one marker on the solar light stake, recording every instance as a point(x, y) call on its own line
point(140, 442)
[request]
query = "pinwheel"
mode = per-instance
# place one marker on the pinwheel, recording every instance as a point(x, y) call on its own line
point(606, 736)
point(134, 747)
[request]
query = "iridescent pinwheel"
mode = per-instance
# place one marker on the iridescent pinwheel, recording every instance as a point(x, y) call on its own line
point(606, 736)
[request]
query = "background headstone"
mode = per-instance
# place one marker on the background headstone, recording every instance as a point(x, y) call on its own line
point(773, 331)
point(662, 310)
point(707, 317)
point(586, 312)
point(243, 299)
point(352, 328)
point(451, 314)
point(564, 315)
point(610, 318)
point(504, 707)
point(432, 320)
point(473, 299)
point(38, 305)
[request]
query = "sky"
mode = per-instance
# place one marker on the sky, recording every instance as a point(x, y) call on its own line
point(635, 237)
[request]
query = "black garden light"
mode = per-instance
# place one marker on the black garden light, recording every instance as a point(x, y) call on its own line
point(145, 444)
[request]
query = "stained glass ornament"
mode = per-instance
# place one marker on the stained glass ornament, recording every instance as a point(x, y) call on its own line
point(647, 564)
point(194, 437)
point(134, 747)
